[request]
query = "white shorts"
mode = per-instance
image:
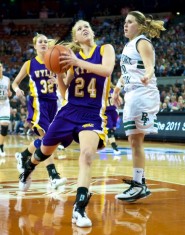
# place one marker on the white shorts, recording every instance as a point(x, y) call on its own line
point(5, 112)
point(141, 107)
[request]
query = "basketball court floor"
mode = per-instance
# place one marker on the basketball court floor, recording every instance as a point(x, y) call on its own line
point(42, 211)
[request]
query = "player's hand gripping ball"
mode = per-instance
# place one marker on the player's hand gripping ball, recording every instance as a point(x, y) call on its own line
point(51, 58)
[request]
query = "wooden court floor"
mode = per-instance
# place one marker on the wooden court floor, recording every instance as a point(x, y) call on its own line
point(41, 211)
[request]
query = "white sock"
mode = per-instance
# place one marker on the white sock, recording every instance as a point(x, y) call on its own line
point(137, 174)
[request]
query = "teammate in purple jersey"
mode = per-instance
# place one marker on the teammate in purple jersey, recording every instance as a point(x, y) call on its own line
point(82, 118)
point(112, 117)
point(42, 105)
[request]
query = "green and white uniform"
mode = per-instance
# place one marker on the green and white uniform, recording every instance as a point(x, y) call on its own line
point(141, 102)
point(4, 100)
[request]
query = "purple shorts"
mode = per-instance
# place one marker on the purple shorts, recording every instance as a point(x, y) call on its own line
point(69, 121)
point(41, 113)
point(112, 117)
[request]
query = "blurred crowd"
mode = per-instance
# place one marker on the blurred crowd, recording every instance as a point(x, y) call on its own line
point(16, 47)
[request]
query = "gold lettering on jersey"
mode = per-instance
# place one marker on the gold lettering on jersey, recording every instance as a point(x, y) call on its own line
point(44, 73)
point(88, 125)
point(79, 71)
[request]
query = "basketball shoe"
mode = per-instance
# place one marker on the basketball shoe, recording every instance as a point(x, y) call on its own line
point(134, 192)
point(56, 181)
point(25, 179)
point(2, 153)
point(20, 162)
point(79, 216)
point(60, 147)
point(116, 152)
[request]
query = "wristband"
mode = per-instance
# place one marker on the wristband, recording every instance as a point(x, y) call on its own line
point(119, 84)
point(16, 89)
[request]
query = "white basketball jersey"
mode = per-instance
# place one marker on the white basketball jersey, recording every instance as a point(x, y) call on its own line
point(4, 83)
point(132, 66)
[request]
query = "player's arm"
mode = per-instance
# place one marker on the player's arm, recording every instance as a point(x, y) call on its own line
point(116, 98)
point(146, 51)
point(105, 69)
point(63, 81)
point(20, 76)
point(9, 91)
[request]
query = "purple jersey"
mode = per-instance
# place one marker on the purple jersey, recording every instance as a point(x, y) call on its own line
point(42, 104)
point(88, 89)
point(85, 108)
point(38, 83)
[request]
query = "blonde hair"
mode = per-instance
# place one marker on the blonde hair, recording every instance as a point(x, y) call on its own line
point(148, 26)
point(75, 46)
point(51, 42)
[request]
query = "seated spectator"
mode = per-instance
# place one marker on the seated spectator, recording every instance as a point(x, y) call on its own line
point(181, 105)
point(167, 101)
point(164, 108)
point(173, 102)
point(14, 119)
point(20, 126)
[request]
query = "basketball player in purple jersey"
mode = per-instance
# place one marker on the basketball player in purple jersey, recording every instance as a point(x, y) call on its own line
point(42, 104)
point(83, 117)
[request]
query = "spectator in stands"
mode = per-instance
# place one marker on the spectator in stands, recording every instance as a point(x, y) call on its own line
point(181, 106)
point(20, 127)
point(164, 108)
point(167, 102)
point(14, 119)
point(14, 102)
point(173, 102)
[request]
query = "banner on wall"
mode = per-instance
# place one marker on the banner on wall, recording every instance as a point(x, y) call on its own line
point(171, 127)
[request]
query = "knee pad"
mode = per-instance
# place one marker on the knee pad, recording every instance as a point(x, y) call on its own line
point(111, 133)
point(37, 143)
point(4, 130)
point(39, 156)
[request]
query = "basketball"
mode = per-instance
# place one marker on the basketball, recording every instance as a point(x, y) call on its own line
point(51, 58)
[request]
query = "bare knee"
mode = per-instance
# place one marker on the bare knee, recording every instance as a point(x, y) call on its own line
point(86, 156)
point(136, 141)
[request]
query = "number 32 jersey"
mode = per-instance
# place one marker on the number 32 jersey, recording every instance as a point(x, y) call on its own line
point(39, 84)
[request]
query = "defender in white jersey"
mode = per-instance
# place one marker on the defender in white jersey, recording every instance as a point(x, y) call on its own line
point(141, 95)
point(4, 108)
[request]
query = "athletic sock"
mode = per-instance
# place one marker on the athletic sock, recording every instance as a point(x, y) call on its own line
point(81, 196)
point(26, 154)
point(1, 147)
point(137, 174)
point(114, 146)
point(52, 172)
